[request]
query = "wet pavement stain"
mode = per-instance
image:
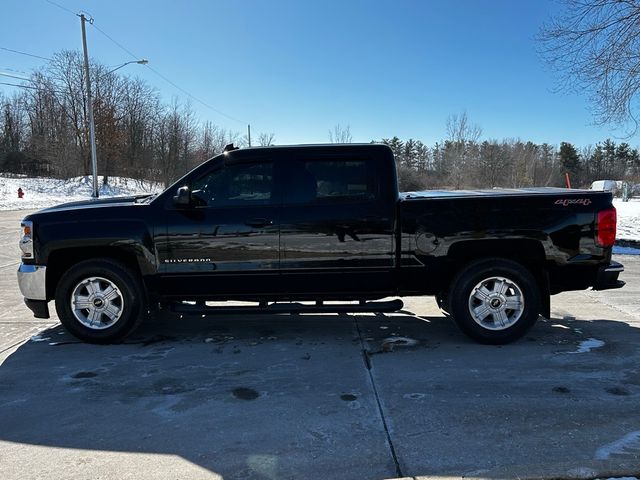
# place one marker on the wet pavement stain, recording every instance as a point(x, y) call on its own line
point(244, 393)
point(617, 391)
point(170, 386)
point(84, 375)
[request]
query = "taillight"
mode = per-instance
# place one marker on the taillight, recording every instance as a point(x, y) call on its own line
point(606, 227)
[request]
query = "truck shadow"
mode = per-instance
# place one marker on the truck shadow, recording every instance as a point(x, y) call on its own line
point(291, 396)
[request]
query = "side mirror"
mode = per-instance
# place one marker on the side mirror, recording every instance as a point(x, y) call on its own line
point(182, 197)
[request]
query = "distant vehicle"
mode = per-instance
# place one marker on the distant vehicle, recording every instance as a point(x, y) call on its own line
point(605, 186)
point(315, 223)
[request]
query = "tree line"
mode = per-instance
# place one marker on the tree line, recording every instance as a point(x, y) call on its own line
point(43, 132)
point(43, 127)
point(463, 160)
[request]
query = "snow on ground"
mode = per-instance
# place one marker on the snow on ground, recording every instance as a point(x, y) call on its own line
point(588, 345)
point(618, 250)
point(628, 219)
point(630, 443)
point(45, 192)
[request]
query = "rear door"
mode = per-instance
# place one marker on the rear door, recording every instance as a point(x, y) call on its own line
point(336, 227)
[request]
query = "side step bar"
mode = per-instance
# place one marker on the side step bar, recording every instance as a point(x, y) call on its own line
point(200, 308)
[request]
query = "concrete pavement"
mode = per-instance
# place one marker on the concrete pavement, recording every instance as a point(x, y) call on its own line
point(322, 396)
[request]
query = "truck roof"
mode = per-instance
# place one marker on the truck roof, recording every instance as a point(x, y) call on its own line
point(323, 147)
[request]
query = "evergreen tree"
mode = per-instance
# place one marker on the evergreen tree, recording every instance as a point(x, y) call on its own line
point(423, 161)
point(397, 147)
point(623, 161)
point(609, 158)
point(570, 160)
point(596, 163)
point(409, 153)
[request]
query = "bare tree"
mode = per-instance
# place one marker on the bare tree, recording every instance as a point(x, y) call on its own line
point(462, 136)
point(266, 139)
point(340, 134)
point(460, 129)
point(595, 45)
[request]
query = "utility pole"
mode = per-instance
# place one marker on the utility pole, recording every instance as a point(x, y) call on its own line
point(92, 128)
point(249, 134)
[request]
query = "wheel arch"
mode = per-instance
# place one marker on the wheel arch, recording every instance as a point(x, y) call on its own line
point(61, 260)
point(527, 252)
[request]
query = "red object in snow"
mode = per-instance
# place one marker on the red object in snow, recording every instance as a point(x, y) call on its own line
point(20, 193)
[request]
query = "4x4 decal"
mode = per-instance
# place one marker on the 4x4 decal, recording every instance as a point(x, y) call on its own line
point(565, 202)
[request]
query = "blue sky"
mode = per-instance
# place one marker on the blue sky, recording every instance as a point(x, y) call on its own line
point(297, 68)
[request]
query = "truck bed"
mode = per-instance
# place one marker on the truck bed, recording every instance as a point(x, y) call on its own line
point(495, 192)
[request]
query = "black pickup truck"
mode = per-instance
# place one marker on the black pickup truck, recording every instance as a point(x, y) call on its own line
point(315, 229)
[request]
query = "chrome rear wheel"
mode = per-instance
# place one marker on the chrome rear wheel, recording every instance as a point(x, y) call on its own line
point(495, 300)
point(496, 303)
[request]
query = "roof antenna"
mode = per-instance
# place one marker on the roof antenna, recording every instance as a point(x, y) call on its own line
point(229, 147)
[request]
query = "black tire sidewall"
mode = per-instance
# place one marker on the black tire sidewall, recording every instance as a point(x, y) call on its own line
point(126, 281)
point(470, 276)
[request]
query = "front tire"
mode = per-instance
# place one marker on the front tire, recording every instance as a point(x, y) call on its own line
point(100, 301)
point(495, 301)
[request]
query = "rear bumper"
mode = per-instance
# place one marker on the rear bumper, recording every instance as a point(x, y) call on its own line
point(607, 277)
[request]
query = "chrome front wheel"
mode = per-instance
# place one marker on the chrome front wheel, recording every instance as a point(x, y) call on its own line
point(97, 303)
point(100, 300)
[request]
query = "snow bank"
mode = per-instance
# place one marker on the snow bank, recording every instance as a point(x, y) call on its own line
point(621, 250)
point(628, 219)
point(45, 192)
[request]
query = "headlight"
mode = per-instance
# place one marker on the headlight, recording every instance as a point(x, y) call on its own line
point(26, 242)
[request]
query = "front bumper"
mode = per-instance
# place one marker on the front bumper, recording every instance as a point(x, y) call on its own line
point(608, 277)
point(32, 281)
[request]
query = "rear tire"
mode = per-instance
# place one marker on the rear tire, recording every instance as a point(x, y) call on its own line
point(100, 301)
point(495, 300)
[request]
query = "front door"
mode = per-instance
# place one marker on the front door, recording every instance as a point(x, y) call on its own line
point(226, 243)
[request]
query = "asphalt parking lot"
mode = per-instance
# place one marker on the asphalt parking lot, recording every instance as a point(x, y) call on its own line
point(322, 396)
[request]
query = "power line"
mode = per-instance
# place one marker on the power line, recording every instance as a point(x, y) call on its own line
point(60, 7)
point(122, 47)
point(193, 97)
point(196, 98)
point(59, 92)
point(13, 70)
point(25, 53)
point(4, 74)
point(18, 85)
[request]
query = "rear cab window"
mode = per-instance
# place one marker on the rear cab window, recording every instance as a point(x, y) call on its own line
point(331, 180)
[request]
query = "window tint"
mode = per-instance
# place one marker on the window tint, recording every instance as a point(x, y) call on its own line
point(238, 184)
point(331, 180)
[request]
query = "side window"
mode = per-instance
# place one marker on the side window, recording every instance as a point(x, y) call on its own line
point(326, 181)
point(234, 185)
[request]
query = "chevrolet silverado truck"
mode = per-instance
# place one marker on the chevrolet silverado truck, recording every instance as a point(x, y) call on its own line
point(315, 228)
